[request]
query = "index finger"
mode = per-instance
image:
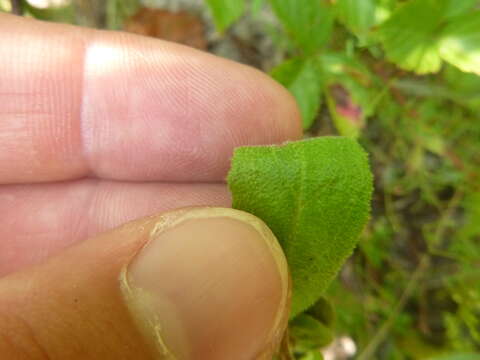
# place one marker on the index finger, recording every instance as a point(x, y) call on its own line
point(79, 102)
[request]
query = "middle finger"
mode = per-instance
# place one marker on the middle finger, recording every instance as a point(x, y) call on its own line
point(40, 220)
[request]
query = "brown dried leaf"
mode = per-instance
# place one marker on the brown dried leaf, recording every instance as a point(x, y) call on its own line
point(181, 27)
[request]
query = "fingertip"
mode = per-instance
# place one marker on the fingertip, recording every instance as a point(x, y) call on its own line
point(126, 107)
point(274, 104)
point(181, 111)
point(212, 283)
point(289, 112)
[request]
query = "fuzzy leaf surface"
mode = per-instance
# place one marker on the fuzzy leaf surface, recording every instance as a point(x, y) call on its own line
point(315, 196)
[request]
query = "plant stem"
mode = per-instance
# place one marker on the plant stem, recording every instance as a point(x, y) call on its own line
point(17, 7)
point(447, 214)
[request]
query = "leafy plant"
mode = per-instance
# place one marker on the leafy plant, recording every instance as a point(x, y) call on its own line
point(440, 30)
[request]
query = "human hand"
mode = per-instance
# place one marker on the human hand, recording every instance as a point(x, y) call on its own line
point(99, 128)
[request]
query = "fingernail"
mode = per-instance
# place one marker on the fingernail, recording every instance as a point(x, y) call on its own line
point(211, 283)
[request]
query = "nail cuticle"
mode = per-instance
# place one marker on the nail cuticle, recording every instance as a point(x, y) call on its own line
point(152, 314)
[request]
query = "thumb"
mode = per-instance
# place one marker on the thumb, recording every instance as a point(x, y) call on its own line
point(197, 283)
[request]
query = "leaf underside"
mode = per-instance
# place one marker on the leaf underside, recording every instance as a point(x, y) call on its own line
point(315, 196)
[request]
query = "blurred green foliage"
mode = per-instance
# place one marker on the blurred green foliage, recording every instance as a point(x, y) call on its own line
point(402, 76)
point(225, 12)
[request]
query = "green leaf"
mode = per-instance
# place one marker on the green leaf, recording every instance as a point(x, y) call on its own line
point(458, 7)
point(5, 6)
point(225, 12)
point(465, 84)
point(350, 91)
point(323, 311)
point(303, 80)
point(358, 16)
point(439, 29)
point(346, 124)
point(315, 196)
point(309, 23)
point(61, 14)
point(383, 10)
point(312, 355)
point(465, 87)
point(460, 43)
point(308, 333)
point(257, 6)
point(410, 37)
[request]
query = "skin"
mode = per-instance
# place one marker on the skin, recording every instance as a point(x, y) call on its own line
point(97, 129)
point(85, 144)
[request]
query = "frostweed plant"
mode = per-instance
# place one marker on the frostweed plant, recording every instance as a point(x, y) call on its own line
point(400, 79)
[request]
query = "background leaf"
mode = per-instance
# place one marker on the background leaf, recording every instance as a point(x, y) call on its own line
point(464, 85)
point(225, 12)
point(358, 16)
point(309, 23)
point(350, 91)
point(315, 196)
point(460, 39)
point(256, 6)
point(308, 333)
point(61, 14)
point(323, 311)
point(439, 29)
point(304, 82)
point(312, 355)
point(458, 7)
point(410, 36)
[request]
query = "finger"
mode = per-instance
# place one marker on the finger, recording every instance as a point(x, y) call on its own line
point(204, 283)
point(78, 102)
point(39, 221)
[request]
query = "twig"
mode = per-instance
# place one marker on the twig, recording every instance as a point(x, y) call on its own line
point(383, 331)
point(17, 7)
point(447, 214)
point(390, 211)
